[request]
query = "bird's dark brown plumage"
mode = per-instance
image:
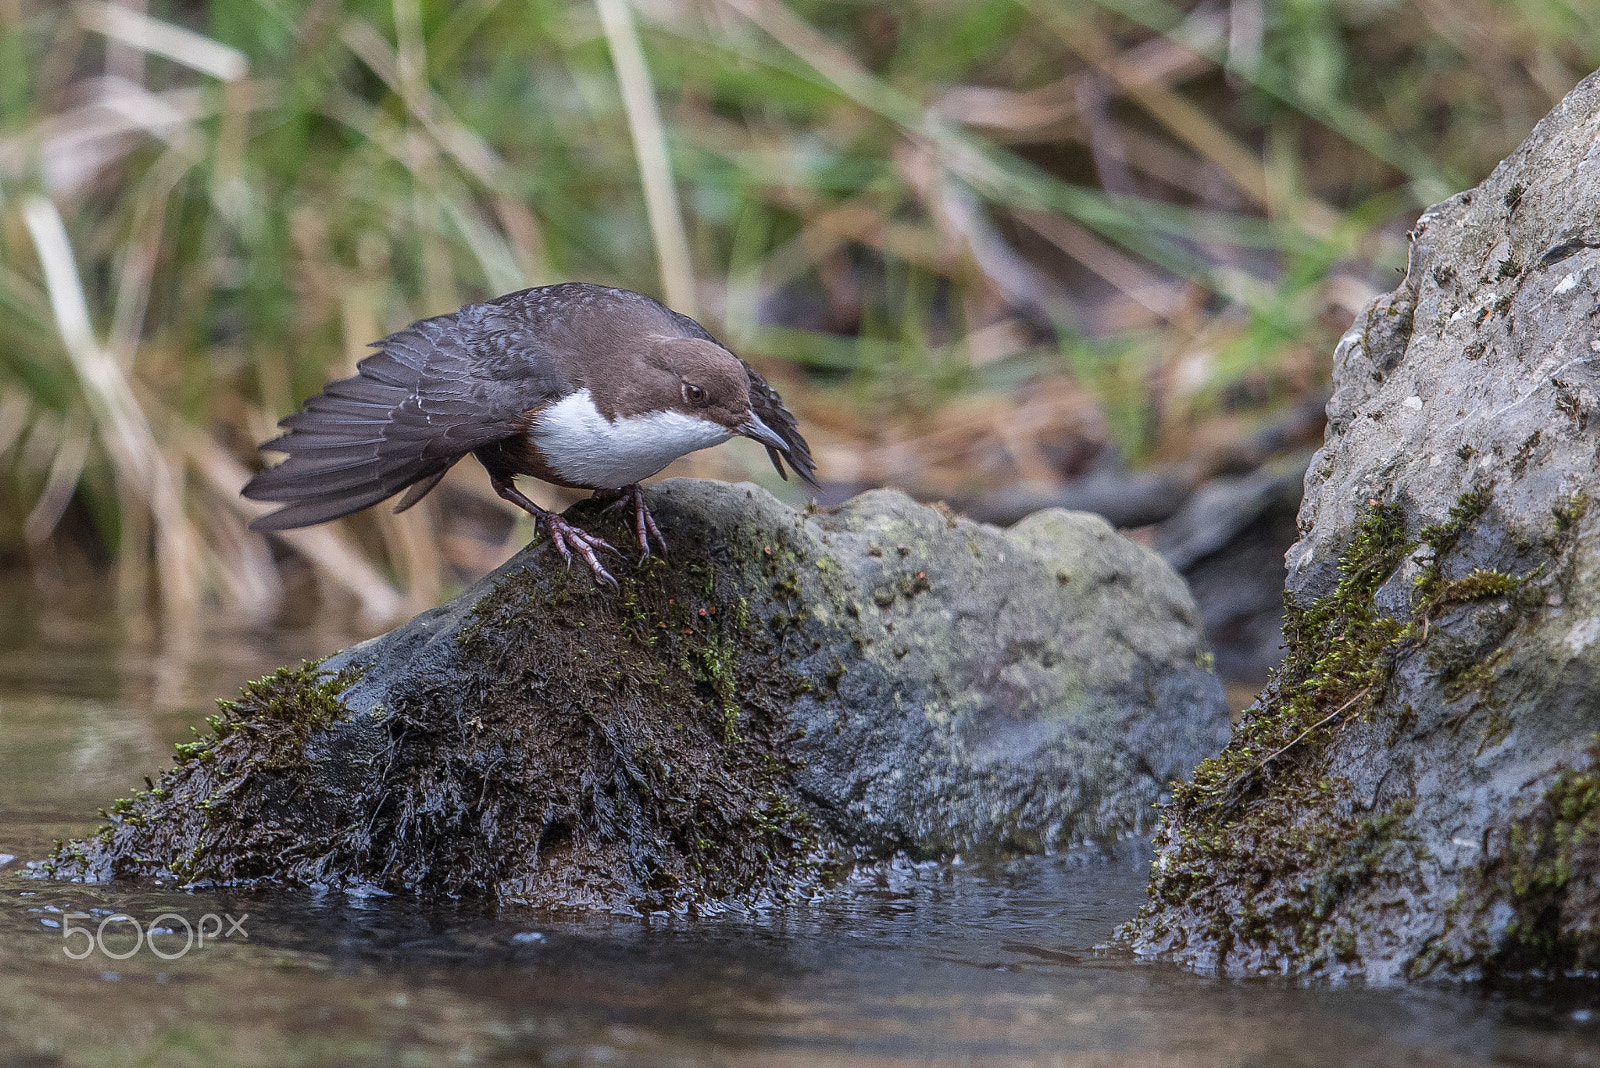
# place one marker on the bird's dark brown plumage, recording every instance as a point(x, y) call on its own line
point(472, 382)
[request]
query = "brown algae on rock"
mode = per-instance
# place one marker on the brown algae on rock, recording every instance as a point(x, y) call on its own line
point(627, 748)
point(720, 729)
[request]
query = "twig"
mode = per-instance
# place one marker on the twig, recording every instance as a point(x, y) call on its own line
point(1325, 719)
point(1296, 740)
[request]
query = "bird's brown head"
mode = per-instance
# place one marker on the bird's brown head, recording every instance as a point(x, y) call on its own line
point(636, 357)
point(703, 380)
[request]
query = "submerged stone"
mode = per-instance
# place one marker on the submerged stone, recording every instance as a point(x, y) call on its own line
point(790, 692)
point(1417, 792)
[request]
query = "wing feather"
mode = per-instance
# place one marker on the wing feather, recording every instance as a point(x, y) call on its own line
point(414, 407)
point(440, 389)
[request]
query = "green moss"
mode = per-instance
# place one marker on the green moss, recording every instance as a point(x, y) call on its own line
point(1467, 510)
point(284, 708)
point(1476, 586)
point(1463, 667)
point(261, 732)
point(1476, 676)
point(200, 750)
point(910, 585)
point(1267, 812)
point(1570, 511)
point(1546, 867)
point(1357, 857)
point(1495, 728)
point(1519, 459)
point(1261, 813)
point(619, 747)
point(713, 663)
point(1259, 852)
point(1339, 657)
point(787, 588)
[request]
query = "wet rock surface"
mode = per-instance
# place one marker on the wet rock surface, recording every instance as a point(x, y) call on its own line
point(1223, 519)
point(1417, 793)
point(790, 692)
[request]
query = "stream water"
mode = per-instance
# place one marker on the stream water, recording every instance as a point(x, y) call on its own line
point(967, 965)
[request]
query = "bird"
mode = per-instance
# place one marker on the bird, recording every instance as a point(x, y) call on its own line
point(580, 385)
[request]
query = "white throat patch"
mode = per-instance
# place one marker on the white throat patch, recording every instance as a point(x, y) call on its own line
point(587, 449)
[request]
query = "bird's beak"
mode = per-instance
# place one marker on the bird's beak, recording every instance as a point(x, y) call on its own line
point(756, 430)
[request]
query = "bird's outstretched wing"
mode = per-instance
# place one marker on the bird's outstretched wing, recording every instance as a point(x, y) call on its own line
point(423, 401)
point(767, 405)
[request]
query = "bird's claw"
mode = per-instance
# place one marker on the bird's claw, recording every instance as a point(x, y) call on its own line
point(644, 524)
point(569, 539)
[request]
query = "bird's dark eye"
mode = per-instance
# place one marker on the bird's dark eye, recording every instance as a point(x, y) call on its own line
point(693, 393)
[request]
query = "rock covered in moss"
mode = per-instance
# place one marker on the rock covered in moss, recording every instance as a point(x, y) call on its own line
point(1418, 791)
point(791, 689)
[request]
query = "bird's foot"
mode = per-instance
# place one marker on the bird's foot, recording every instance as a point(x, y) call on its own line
point(569, 539)
point(644, 524)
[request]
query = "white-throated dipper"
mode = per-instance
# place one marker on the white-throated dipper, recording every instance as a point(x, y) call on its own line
point(580, 385)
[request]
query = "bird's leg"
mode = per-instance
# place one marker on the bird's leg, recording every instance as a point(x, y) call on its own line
point(644, 524)
point(566, 537)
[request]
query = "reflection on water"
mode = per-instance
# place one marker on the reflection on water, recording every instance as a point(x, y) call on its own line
point(996, 965)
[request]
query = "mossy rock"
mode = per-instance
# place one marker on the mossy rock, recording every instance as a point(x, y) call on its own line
point(790, 692)
point(1417, 792)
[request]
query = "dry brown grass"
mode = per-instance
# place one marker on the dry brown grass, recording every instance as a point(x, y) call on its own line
point(974, 243)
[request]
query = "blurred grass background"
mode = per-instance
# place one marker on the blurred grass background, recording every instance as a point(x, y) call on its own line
point(977, 243)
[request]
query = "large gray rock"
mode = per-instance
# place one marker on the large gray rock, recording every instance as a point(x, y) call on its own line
point(1417, 793)
point(791, 690)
